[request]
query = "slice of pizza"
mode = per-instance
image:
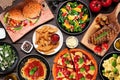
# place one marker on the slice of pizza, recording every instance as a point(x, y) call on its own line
point(63, 58)
point(85, 65)
point(63, 73)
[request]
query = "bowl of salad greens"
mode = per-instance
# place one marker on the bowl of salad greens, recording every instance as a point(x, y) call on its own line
point(8, 58)
point(73, 17)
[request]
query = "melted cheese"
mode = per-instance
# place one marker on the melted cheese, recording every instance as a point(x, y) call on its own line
point(79, 53)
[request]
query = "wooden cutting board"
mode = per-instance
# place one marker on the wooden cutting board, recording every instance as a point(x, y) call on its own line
point(46, 15)
point(92, 29)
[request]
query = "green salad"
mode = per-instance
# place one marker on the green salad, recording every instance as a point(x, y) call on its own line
point(7, 56)
point(73, 17)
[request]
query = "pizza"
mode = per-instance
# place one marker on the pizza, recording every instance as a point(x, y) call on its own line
point(34, 69)
point(63, 73)
point(64, 59)
point(84, 66)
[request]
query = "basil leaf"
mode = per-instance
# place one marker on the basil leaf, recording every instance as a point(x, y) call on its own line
point(33, 70)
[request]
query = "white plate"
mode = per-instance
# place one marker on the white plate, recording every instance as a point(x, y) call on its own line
point(60, 41)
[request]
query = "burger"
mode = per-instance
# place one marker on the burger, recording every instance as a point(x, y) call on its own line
point(31, 11)
point(14, 19)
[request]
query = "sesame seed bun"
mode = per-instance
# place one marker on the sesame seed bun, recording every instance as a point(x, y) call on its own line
point(16, 14)
point(32, 10)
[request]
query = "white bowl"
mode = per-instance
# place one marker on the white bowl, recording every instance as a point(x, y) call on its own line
point(2, 33)
point(22, 46)
point(72, 42)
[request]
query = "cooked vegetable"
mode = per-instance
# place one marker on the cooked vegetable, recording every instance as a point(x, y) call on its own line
point(73, 17)
point(7, 56)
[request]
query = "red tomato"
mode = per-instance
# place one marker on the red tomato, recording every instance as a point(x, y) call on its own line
point(66, 73)
point(80, 6)
point(76, 58)
point(98, 49)
point(68, 7)
point(80, 76)
point(106, 3)
point(87, 67)
point(105, 45)
point(83, 25)
point(59, 78)
point(89, 76)
point(95, 6)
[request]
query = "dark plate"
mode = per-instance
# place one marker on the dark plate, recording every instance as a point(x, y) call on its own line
point(101, 62)
point(8, 70)
point(87, 24)
point(22, 62)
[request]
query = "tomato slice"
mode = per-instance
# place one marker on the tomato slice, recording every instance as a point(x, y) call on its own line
point(89, 76)
point(68, 7)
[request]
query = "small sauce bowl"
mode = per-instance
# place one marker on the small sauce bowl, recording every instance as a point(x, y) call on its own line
point(117, 44)
point(11, 77)
point(71, 42)
point(27, 46)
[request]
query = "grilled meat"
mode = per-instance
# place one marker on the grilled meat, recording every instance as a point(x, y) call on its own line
point(105, 34)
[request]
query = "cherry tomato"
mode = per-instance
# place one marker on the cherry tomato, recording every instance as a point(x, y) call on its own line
point(105, 45)
point(106, 3)
point(95, 6)
point(98, 49)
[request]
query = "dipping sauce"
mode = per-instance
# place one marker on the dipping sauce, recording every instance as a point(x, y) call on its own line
point(71, 42)
point(117, 44)
point(11, 77)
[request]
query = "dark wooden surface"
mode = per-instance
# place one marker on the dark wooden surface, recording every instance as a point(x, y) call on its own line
point(29, 35)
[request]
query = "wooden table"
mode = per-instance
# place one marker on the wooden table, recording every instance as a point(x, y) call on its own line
point(29, 35)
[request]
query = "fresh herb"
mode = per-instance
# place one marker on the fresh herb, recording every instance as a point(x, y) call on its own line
point(67, 62)
point(103, 71)
point(81, 60)
point(115, 55)
point(101, 35)
point(115, 70)
point(18, 28)
point(71, 76)
point(65, 55)
point(82, 78)
point(114, 63)
point(92, 67)
point(33, 70)
point(82, 69)
point(59, 74)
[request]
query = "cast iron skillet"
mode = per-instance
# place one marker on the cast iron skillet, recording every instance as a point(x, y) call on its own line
point(107, 56)
point(59, 24)
point(9, 70)
point(24, 59)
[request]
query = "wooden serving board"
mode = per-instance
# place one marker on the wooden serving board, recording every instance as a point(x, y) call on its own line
point(45, 16)
point(92, 29)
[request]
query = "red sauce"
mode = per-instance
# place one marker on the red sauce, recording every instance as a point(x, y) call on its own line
point(38, 73)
